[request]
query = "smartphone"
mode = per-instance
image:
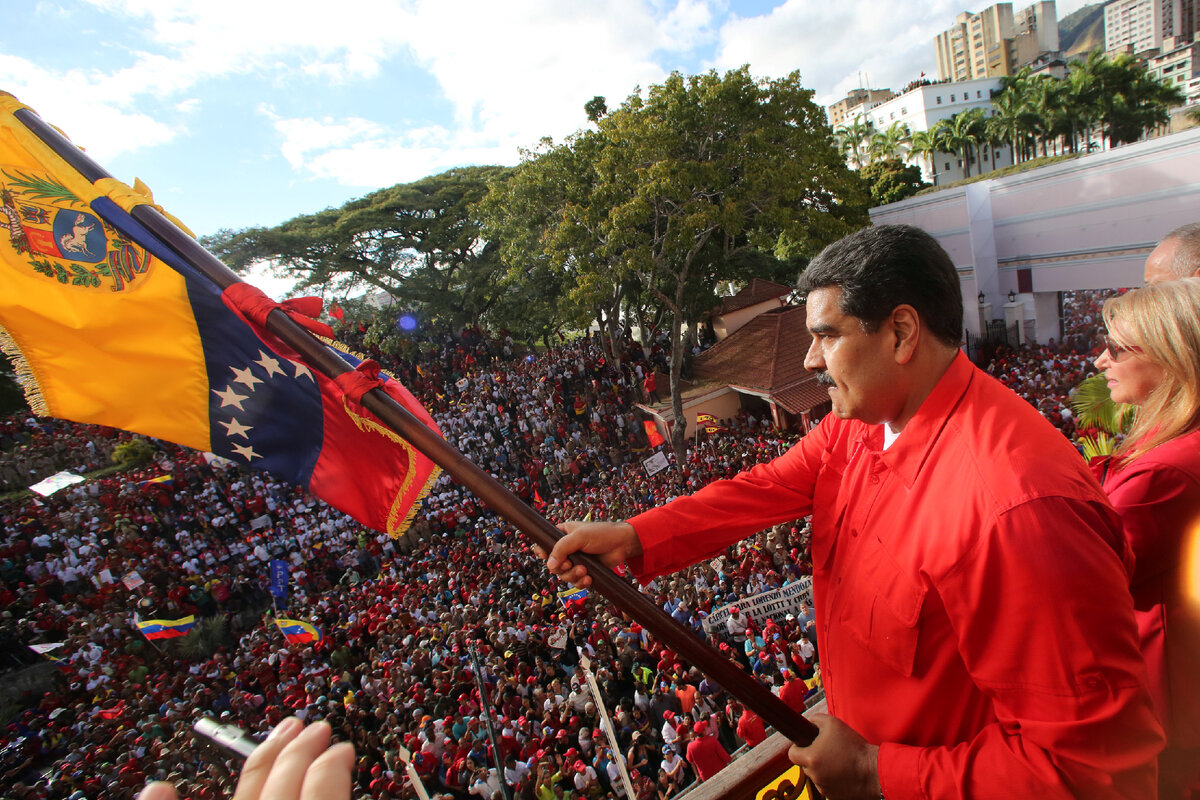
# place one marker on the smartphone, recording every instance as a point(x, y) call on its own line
point(228, 737)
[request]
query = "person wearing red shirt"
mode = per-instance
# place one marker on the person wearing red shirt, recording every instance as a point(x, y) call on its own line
point(1152, 362)
point(750, 728)
point(969, 576)
point(705, 753)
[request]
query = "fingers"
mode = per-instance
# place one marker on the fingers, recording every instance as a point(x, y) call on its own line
point(288, 774)
point(331, 775)
point(159, 790)
point(259, 764)
point(559, 562)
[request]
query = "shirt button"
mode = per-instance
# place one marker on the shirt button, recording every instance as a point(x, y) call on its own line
point(874, 479)
point(854, 533)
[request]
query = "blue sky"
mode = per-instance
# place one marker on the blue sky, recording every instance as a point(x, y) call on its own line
point(250, 112)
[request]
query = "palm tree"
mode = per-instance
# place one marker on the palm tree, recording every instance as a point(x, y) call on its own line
point(853, 135)
point(925, 143)
point(1008, 123)
point(1194, 115)
point(1083, 97)
point(887, 144)
point(961, 133)
point(1132, 102)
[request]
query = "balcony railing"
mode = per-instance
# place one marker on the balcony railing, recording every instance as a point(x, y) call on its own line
point(752, 770)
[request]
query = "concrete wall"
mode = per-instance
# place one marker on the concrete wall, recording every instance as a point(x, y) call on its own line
point(1082, 224)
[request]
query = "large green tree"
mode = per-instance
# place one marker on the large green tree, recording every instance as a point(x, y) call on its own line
point(891, 180)
point(675, 183)
point(418, 242)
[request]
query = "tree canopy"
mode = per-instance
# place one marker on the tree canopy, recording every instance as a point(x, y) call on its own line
point(653, 206)
point(416, 241)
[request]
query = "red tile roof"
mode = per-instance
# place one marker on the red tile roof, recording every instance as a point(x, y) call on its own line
point(767, 356)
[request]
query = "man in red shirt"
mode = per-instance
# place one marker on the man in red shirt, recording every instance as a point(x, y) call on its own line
point(969, 576)
point(705, 753)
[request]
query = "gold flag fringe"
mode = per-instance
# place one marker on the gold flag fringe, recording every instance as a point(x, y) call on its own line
point(25, 376)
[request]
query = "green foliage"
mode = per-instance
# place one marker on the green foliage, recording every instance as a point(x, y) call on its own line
point(595, 108)
point(12, 396)
point(40, 188)
point(891, 180)
point(417, 242)
point(202, 641)
point(649, 211)
point(1094, 408)
point(1101, 98)
point(135, 451)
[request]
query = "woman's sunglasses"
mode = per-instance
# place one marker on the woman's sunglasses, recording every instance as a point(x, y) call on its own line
point(1115, 350)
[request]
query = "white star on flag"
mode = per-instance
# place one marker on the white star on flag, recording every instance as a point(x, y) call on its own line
point(271, 365)
point(231, 398)
point(245, 451)
point(301, 369)
point(236, 428)
point(245, 377)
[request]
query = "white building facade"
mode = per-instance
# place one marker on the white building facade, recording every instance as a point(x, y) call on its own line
point(923, 107)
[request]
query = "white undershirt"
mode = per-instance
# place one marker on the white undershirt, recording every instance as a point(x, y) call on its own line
point(888, 437)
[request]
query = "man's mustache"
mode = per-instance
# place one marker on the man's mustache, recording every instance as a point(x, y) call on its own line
point(823, 379)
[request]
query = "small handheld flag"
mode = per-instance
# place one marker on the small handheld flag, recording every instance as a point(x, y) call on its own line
point(166, 628)
point(298, 631)
point(572, 594)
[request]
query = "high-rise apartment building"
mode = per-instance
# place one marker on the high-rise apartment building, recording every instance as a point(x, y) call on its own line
point(1140, 26)
point(996, 42)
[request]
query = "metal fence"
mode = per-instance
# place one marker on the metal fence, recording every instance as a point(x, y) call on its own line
point(980, 349)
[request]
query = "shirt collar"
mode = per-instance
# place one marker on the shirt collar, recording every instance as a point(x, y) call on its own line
point(907, 456)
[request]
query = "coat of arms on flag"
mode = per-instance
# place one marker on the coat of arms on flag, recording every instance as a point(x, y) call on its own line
point(60, 239)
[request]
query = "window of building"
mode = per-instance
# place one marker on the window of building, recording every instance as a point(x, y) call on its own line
point(939, 100)
point(951, 98)
point(903, 110)
point(947, 165)
point(979, 93)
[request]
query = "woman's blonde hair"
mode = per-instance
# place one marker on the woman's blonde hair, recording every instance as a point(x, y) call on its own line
point(1163, 320)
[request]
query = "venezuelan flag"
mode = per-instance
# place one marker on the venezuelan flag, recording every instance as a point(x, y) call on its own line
point(106, 324)
point(298, 632)
point(166, 628)
point(572, 594)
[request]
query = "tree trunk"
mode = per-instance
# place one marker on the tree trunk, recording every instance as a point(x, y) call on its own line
point(679, 428)
point(643, 334)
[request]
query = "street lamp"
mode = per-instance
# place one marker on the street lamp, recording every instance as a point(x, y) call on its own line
point(1012, 296)
point(982, 299)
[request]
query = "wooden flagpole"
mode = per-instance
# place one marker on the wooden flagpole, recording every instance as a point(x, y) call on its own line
point(620, 591)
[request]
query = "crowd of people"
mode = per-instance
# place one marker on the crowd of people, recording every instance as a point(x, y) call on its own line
point(428, 641)
point(401, 619)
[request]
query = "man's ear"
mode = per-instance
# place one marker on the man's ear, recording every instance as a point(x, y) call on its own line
point(906, 327)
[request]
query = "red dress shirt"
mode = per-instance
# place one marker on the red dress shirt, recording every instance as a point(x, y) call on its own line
point(972, 602)
point(1158, 498)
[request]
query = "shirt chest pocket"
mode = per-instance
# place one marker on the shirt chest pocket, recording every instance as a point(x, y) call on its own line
point(882, 607)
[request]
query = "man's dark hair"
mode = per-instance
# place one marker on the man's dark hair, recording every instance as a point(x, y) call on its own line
point(883, 266)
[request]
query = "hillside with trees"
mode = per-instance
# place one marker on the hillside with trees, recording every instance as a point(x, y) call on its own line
point(1082, 31)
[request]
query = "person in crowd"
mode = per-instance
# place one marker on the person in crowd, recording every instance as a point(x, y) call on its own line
point(943, 508)
point(1152, 362)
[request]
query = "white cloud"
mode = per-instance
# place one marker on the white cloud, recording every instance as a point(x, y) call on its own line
point(75, 102)
point(889, 42)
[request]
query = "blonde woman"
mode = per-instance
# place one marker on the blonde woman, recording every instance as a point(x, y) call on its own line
point(1152, 361)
